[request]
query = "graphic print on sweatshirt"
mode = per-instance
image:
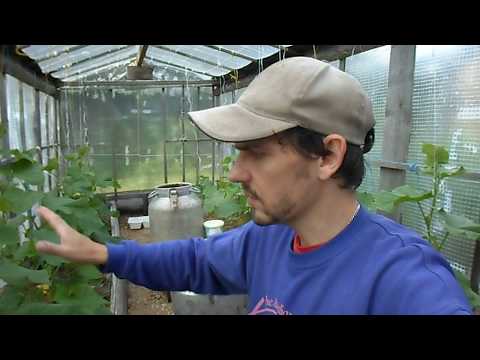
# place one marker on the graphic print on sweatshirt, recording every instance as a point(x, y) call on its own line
point(267, 306)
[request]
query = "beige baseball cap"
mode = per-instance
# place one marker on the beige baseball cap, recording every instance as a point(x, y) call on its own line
point(298, 91)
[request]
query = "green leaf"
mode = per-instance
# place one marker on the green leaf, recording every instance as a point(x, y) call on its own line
point(86, 220)
point(409, 193)
point(17, 220)
point(78, 294)
point(56, 203)
point(24, 251)
point(71, 157)
point(459, 222)
point(10, 299)
point(227, 209)
point(24, 155)
point(8, 234)
point(29, 172)
point(213, 200)
point(366, 199)
point(47, 234)
point(452, 171)
point(79, 185)
point(22, 200)
point(6, 205)
point(19, 276)
point(83, 151)
point(52, 165)
point(435, 154)
point(59, 309)
point(88, 272)
point(385, 201)
point(115, 213)
point(464, 281)
point(102, 237)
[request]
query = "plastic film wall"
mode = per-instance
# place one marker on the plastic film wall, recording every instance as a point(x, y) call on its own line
point(141, 137)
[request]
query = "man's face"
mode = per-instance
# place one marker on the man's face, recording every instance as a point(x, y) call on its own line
point(280, 184)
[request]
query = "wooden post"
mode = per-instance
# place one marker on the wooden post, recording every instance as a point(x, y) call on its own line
point(398, 116)
point(119, 292)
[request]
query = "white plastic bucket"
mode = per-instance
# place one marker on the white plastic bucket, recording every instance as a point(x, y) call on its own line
point(213, 227)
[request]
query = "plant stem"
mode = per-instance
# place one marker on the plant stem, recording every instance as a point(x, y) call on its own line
point(443, 240)
point(436, 183)
point(424, 216)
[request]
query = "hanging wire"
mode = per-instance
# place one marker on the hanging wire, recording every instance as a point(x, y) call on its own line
point(314, 51)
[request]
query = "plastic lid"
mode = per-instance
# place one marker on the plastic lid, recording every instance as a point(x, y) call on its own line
point(213, 223)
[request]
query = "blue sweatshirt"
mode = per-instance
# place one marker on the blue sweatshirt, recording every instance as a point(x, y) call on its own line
point(374, 266)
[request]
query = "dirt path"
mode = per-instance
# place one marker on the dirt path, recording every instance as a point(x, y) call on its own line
point(142, 301)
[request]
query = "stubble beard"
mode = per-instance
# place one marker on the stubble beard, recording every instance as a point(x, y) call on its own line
point(279, 213)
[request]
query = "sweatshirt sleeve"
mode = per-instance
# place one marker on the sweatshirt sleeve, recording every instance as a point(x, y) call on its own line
point(216, 265)
point(418, 280)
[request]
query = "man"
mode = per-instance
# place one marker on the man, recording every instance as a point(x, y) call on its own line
point(301, 127)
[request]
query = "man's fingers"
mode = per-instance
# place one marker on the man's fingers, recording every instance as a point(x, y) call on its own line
point(47, 247)
point(55, 221)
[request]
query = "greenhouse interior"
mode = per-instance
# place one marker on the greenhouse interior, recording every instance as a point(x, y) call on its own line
point(97, 132)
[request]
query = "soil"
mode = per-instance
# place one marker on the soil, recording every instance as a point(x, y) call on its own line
point(143, 301)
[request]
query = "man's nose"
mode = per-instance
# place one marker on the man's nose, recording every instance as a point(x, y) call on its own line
point(238, 173)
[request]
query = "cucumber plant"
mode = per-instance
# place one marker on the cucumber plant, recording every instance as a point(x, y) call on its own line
point(45, 284)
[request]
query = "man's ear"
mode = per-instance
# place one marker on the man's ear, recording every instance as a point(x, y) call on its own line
point(336, 146)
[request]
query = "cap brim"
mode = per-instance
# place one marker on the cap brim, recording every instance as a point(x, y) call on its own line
point(233, 123)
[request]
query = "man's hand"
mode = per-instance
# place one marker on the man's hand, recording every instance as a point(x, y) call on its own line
point(73, 245)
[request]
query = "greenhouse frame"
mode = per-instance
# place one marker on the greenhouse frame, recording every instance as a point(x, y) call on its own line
point(129, 104)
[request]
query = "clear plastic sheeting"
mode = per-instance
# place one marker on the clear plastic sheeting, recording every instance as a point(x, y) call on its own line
point(168, 72)
point(110, 72)
point(72, 57)
point(109, 59)
point(41, 52)
point(201, 62)
point(446, 112)
point(172, 58)
point(209, 54)
point(13, 112)
point(370, 68)
point(254, 52)
point(28, 116)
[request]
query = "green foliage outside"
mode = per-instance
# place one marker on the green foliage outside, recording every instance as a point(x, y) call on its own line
point(224, 199)
point(436, 166)
point(45, 284)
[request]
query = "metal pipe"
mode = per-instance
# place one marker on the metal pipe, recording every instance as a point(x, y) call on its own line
point(164, 115)
point(139, 112)
point(213, 161)
point(214, 100)
point(182, 115)
point(197, 143)
point(113, 131)
point(128, 83)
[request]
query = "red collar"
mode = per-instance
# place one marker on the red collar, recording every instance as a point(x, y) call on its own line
point(299, 249)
